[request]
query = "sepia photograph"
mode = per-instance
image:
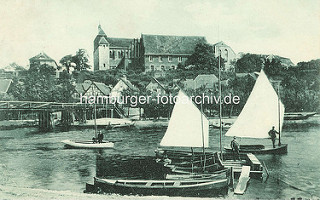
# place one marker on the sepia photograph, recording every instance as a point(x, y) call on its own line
point(150, 99)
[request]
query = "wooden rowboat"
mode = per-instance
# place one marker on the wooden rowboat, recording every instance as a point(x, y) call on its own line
point(260, 149)
point(199, 187)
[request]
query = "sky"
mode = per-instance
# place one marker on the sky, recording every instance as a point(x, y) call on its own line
point(289, 28)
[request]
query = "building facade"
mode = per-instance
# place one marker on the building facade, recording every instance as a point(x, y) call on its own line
point(150, 52)
point(226, 53)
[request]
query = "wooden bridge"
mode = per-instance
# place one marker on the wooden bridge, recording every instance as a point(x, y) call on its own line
point(45, 111)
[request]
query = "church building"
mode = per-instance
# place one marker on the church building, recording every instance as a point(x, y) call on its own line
point(150, 52)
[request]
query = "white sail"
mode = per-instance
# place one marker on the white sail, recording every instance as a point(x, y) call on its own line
point(260, 113)
point(185, 129)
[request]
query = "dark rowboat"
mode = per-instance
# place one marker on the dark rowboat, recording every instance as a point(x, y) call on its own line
point(199, 187)
point(260, 149)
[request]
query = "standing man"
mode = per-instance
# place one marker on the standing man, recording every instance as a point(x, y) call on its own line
point(100, 137)
point(235, 148)
point(273, 136)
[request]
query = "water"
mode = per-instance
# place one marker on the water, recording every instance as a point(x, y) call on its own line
point(29, 158)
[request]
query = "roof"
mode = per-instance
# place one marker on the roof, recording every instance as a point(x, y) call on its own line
point(4, 85)
point(103, 88)
point(129, 84)
point(154, 80)
point(206, 80)
point(119, 42)
point(165, 44)
point(114, 62)
point(189, 84)
point(41, 56)
point(254, 75)
point(221, 43)
point(82, 88)
point(100, 31)
point(103, 41)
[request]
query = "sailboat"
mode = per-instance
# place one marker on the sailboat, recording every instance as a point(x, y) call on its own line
point(188, 128)
point(262, 111)
point(89, 144)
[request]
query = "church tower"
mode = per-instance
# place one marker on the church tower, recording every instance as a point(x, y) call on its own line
point(101, 53)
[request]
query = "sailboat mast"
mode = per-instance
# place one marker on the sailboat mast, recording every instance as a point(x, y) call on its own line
point(95, 115)
point(279, 112)
point(220, 106)
point(203, 149)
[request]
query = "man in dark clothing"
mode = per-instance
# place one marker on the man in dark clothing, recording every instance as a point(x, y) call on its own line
point(273, 136)
point(100, 137)
point(235, 148)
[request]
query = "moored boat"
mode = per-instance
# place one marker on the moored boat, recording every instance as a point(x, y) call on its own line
point(194, 187)
point(262, 111)
point(87, 144)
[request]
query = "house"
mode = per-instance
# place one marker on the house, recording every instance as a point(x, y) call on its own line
point(153, 52)
point(90, 88)
point(226, 53)
point(164, 52)
point(41, 59)
point(285, 62)
point(10, 71)
point(5, 85)
point(206, 81)
point(123, 85)
point(156, 88)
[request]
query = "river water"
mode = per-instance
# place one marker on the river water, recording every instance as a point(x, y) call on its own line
point(29, 158)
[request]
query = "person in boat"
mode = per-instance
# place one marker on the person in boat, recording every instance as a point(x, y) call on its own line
point(100, 137)
point(273, 136)
point(235, 147)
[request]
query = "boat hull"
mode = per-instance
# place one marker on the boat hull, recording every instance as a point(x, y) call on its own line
point(205, 188)
point(87, 144)
point(282, 149)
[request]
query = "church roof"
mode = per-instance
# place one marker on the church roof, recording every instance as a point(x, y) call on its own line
point(120, 42)
point(165, 44)
point(100, 31)
point(103, 41)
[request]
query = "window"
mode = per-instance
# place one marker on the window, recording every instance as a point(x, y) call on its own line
point(173, 67)
point(119, 54)
point(150, 59)
point(152, 67)
point(110, 54)
point(179, 59)
point(160, 59)
point(104, 64)
point(169, 58)
point(162, 67)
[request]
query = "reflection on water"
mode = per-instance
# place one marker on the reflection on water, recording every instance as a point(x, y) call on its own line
point(29, 158)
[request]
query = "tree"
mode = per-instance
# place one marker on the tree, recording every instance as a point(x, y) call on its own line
point(249, 63)
point(203, 58)
point(79, 62)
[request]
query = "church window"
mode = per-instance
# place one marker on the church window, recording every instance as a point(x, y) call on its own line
point(179, 59)
point(169, 58)
point(160, 58)
point(104, 64)
point(150, 59)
